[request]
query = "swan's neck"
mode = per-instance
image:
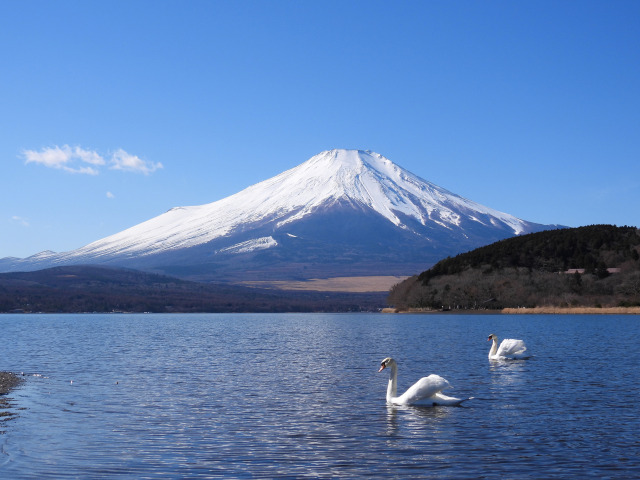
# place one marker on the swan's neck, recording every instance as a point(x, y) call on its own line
point(392, 387)
point(494, 348)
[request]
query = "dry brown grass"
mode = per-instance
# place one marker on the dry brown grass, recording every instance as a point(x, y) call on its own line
point(575, 310)
point(335, 284)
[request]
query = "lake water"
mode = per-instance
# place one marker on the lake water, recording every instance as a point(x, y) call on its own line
point(294, 396)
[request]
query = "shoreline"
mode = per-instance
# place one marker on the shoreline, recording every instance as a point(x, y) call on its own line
point(433, 312)
point(8, 381)
point(575, 310)
point(528, 311)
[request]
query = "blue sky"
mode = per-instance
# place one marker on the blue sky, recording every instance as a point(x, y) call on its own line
point(112, 112)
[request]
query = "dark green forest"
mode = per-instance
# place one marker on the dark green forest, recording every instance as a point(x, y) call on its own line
point(592, 266)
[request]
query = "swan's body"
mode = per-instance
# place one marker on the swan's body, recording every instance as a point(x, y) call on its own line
point(508, 349)
point(426, 391)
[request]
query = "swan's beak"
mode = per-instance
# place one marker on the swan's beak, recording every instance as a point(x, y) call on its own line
point(382, 367)
point(489, 339)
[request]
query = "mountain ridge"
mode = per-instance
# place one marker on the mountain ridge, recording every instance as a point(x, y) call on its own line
point(339, 211)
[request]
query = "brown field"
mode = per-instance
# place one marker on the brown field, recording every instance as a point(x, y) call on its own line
point(335, 284)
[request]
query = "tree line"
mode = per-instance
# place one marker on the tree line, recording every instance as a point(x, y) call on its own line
point(531, 270)
point(76, 289)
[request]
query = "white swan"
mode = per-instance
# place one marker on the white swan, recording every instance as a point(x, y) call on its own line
point(509, 349)
point(426, 391)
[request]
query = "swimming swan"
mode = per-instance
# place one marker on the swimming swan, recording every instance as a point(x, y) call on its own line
point(426, 391)
point(509, 349)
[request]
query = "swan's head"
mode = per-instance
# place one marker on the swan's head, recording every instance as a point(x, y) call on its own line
point(387, 362)
point(493, 336)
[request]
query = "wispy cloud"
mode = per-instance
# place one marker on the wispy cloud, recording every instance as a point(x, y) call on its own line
point(65, 158)
point(22, 221)
point(110, 195)
point(88, 162)
point(88, 156)
point(122, 160)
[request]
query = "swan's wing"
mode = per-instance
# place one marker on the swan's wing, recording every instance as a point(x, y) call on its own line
point(424, 388)
point(510, 347)
point(441, 399)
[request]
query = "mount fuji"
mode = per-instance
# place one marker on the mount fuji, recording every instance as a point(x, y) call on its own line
point(340, 213)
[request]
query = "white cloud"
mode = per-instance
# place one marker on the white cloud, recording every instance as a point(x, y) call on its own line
point(88, 156)
point(85, 170)
point(65, 158)
point(122, 160)
point(22, 221)
point(75, 160)
point(110, 195)
point(54, 157)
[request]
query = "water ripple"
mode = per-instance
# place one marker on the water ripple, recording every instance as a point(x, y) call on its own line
point(297, 396)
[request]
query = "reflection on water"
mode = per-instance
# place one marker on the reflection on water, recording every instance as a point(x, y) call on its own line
point(508, 372)
point(269, 396)
point(414, 420)
point(7, 412)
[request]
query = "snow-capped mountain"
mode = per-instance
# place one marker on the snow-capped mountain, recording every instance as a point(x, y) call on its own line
point(340, 213)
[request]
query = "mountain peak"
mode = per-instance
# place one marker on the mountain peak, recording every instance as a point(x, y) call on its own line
point(335, 208)
point(353, 160)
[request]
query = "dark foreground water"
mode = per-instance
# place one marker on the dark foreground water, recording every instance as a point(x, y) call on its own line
point(293, 396)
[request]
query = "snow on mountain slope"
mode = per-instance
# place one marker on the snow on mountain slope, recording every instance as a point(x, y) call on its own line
point(250, 245)
point(360, 177)
point(370, 192)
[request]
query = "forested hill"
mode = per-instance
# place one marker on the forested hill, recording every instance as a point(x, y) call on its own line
point(86, 288)
point(597, 265)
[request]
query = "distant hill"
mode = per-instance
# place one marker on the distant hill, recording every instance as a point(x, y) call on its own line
point(597, 265)
point(82, 288)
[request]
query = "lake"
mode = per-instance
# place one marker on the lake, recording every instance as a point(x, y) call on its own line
point(298, 395)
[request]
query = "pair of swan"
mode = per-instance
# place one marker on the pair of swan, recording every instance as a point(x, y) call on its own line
point(428, 390)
